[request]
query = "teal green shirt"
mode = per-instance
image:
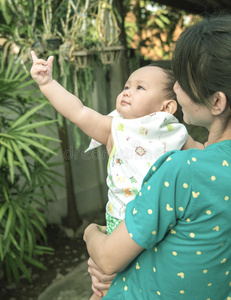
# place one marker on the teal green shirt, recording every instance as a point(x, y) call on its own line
point(182, 217)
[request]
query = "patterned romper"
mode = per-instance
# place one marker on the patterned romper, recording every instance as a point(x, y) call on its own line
point(138, 143)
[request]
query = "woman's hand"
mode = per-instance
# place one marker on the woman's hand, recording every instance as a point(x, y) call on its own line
point(100, 281)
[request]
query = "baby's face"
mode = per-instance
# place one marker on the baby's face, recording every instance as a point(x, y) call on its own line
point(142, 94)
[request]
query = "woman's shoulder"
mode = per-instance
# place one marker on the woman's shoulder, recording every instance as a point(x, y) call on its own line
point(176, 162)
point(195, 160)
point(180, 156)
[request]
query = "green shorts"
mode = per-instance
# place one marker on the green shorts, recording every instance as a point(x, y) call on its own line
point(112, 223)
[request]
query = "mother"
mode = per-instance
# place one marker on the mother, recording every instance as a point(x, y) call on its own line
point(176, 238)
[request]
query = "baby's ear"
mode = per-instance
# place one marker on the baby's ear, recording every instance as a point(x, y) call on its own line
point(169, 106)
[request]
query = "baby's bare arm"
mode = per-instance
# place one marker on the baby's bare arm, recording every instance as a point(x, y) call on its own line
point(94, 124)
point(91, 122)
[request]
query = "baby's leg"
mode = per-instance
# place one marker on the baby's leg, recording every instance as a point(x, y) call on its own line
point(111, 223)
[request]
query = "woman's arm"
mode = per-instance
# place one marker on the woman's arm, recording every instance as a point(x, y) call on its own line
point(111, 253)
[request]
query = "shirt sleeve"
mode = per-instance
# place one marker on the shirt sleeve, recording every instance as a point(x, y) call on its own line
point(162, 200)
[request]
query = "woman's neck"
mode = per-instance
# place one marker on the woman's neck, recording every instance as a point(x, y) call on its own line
point(219, 131)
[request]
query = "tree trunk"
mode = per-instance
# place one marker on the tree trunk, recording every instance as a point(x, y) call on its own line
point(122, 12)
point(73, 219)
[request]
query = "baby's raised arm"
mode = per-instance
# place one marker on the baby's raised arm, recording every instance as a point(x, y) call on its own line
point(94, 124)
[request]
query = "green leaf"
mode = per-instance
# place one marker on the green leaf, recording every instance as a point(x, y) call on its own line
point(44, 248)
point(38, 202)
point(150, 22)
point(53, 179)
point(37, 145)
point(34, 125)
point(165, 19)
point(34, 262)
point(3, 210)
point(38, 226)
point(10, 161)
point(6, 135)
point(14, 242)
point(9, 66)
point(23, 268)
point(14, 70)
point(39, 215)
point(13, 267)
point(6, 11)
point(40, 136)
point(21, 75)
point(8, 268)
point(159, 23)
point(1, 249)
point(30, 241)
point(5, 145)
point(9, 223)
point(24, 117)
point(6, 249)
point(21, 159)
point(27, 83)
point(31, 153)
point(2, 155)
point(2, 59)
point(21, 230)
point(5, 192)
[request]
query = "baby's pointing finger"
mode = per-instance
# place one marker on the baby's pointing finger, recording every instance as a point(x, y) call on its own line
point(37, 60)
point(33, 55)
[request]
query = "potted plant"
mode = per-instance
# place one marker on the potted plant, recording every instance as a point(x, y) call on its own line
point(75, 29)
point(108, 33)
point(50, 36)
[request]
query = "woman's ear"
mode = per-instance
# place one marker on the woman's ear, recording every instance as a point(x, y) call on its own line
point(219, 103)
point(169, 106)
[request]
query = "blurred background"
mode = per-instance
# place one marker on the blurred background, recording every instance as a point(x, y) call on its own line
point(50, 188)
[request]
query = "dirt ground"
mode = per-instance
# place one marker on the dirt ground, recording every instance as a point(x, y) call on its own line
point(67, 255)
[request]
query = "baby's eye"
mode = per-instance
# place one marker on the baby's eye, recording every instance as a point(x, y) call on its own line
point(139, 87)
point(126, 88)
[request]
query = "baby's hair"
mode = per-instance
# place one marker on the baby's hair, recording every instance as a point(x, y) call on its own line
point(169, 83)
point(168, 89)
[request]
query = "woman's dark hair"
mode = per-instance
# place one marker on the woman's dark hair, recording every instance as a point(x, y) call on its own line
point(202, 59)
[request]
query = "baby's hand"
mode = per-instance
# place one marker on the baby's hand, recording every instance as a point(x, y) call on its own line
point(41, 70)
